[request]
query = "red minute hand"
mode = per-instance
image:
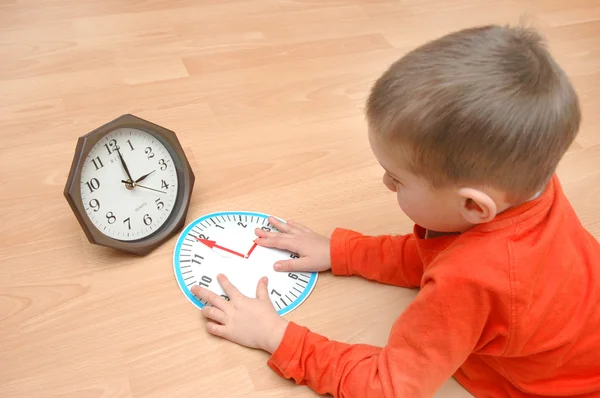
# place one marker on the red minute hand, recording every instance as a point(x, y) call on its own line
point(213, 244)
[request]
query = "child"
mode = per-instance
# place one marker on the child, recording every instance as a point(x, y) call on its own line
point(469, 129)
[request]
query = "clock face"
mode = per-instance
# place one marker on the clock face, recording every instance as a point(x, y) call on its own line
point(224, 243)
point(119, 208)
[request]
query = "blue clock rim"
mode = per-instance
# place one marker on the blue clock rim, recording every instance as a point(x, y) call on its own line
point(193, 299)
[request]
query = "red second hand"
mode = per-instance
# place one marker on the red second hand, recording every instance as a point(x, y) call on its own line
point(212, 244)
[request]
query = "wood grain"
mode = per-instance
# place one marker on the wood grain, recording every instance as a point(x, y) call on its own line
point(267, 99)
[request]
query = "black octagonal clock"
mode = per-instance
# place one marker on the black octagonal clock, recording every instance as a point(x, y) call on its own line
point(130, 185)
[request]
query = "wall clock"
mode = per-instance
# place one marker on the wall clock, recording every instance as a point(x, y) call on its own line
point(130, 184)
point(224, 243)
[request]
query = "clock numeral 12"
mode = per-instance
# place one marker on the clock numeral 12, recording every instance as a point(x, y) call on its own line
point(112, 146)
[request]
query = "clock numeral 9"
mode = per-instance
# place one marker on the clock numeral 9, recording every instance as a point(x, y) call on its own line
point(111, 217)
point(149, 153)
point(205, 281)
point(159, 204)
point(163, 165)
point(147, 219)
point(93, 184)
point(112, 146)
point(94, 204)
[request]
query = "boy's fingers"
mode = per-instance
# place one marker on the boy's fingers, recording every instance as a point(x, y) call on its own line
point(278, 242)
point(297, 264)
point(213, 314)
point(261, 289)
point(261, 233)
point(229, 289)
point(298, 226)
point(208, 296)
point(216, 329)
point(283, 227)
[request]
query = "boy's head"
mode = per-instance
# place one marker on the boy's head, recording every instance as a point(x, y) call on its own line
point(470, 124)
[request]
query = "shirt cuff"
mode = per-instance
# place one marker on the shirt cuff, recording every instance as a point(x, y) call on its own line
point(338, 252)
point(284, 358)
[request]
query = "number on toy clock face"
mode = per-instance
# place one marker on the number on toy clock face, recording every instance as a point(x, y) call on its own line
point(224, 243)
point(128, 184)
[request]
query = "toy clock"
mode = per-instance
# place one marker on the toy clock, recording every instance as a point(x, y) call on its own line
point(129, 185)
point(224, 242)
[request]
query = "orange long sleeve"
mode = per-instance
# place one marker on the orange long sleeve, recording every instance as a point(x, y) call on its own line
point(397, 257)
point(427, 344)
point(509, 308)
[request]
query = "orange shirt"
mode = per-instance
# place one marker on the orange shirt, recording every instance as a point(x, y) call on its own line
point(510, 308)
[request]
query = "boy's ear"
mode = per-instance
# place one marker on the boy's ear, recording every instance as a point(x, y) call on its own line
point(477, 207)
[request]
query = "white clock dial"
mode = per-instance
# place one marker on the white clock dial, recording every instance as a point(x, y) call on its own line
point(224, 243)
point(128, 211)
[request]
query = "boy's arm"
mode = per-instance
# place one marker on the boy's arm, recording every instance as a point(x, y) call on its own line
point(432, 338)
point(388, 259)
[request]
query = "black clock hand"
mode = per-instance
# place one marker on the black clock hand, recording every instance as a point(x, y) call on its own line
point(142, 178)
point(124, 165)
point(141, 186)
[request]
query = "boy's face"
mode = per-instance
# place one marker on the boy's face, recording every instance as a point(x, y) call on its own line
point(433, 209)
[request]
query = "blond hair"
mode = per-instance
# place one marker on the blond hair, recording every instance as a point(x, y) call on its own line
point(485, 105)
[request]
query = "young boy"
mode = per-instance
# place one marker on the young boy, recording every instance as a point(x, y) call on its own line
point(469, 129)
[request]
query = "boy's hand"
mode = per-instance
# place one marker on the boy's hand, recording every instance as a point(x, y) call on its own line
point(249, 322)
point(312, 248)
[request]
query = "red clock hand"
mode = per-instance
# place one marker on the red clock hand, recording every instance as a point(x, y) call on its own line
point(251, 249)
point(213, 244)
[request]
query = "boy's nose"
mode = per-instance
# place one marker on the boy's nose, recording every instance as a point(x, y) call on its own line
point(387, 181)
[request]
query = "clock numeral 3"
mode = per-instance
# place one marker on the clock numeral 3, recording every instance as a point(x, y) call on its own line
point(159, 204)
point(205, 281)
point(94, 204)
point(149, 153)
point(93, 184)
point(112, 146)
point(266, 229)
point(147, 219)
point(163, 165)
point(111, 217)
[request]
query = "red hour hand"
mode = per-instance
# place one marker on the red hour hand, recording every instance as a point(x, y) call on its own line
point(212, 244)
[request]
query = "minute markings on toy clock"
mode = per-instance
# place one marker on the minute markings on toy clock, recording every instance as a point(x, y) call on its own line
point(225, 243)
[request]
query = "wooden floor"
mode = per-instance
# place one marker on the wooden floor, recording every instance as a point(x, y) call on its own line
point(267, 97)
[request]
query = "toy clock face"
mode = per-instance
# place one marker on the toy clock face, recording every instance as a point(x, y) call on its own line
point(130, 184)
point(224, 243)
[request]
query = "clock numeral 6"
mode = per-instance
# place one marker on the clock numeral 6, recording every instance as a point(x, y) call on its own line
point(149, 153)
point(94, 204)
point(206, 280)
point(147, 219)
point(93, 184)
point(111, 217)
point(163, 165)
point(293, 276)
